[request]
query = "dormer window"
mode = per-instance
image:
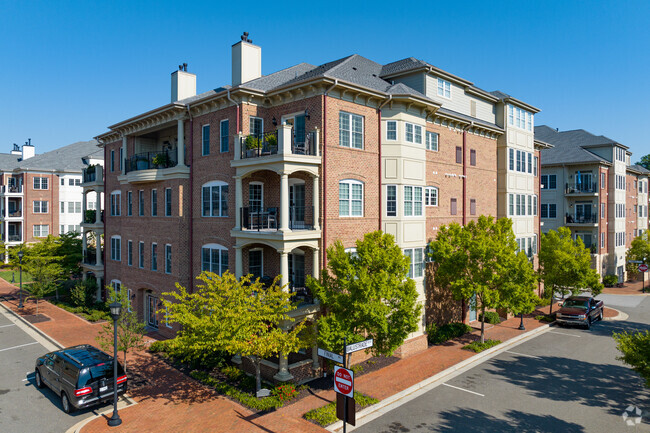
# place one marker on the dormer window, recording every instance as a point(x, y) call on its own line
point(444, 88)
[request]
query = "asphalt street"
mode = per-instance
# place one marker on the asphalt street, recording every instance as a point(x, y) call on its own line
point(23, 407)
point(565, 380)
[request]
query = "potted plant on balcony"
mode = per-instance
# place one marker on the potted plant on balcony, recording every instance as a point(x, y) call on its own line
point(272, 141)
point(161, 160)
point(253, 145)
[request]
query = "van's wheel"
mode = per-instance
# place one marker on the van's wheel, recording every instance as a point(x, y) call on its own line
point(65, 403)
point(39, 381)
point(588, 325)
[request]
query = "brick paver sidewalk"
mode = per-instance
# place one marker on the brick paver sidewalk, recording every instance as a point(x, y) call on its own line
point(172, 402)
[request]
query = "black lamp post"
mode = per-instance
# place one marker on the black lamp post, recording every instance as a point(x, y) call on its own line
point(521, 324)
point(20, 262)
point(116, 309)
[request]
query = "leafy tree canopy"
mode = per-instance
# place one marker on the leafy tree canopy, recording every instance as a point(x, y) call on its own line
point(645, 161)
point(367, 294)
point(635, 348)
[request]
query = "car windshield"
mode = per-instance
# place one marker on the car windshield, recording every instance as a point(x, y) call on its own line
point(91, 374)
point(574, 303)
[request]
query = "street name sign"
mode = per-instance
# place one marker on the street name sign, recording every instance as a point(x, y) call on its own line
point(330, 355)
point(355, 347)
point(635, 261)
point(344, 381)
point(643, 268)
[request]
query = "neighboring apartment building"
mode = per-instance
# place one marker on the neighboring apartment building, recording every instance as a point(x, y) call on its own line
point(42, 194)
point(589, 186)
point(262, 176)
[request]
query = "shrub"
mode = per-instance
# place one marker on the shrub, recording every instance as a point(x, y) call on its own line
point(82, 294)
point(610, 280)
point(158, 346)
point(261, 404)
point(195, 359)
point(285, 392)
point(491, 317)
point(357, 369)
point(439, 334)
point(477, 346)
point(232, 372)
point(326, 415)
point(545, 318)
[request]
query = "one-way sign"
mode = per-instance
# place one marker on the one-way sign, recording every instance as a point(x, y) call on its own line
point(355, 347)
point(330, 355)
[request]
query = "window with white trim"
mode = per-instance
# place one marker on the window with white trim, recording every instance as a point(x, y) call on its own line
point(40, 206)
point(224, 133)
point(214, 258)
point(511, 204)
point(256, 126)
point(413, 133)
point(416, 256)
point(350, 198)
point(549, 181)
point(520, 118)
point(141, 255)
point(154, 256)
point(431, 196)
point(391, 200)
point(129, 203)
point(41, 230)
point(255, 196)
point(129, 253)
point(154, 202)
point(535, 162)
point(432, 141)
point(350, 130)
point(511, 159)
point(412, 201)
point(168, 259)
point(391, 130)
point(141, 203)
point(116, 200)
point(444, 88)
point(215, 199)
point(602, 239)
point(40, 183)
point(205, 140)
point(116, 248)
point(167, 324)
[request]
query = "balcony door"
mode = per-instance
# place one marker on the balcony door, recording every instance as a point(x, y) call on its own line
point(583, 212)
point(583, 181)
point(296, 270)
point(297, 205)
point(152, 306)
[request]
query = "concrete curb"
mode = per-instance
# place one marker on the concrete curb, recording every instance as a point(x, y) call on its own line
point(34, 328)
point(370, 413)
point(620, 316)
point(120, 405)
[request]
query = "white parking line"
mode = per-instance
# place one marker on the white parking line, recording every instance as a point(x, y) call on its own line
point(462, 389)
point(523, 354)
point(564, 333)
point(4, 326)
point(21, 345)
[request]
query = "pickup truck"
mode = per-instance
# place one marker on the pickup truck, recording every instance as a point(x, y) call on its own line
point(580, 310)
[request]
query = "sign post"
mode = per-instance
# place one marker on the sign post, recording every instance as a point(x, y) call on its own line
point(643, 268)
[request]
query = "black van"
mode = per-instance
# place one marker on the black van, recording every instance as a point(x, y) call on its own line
point(81, 375)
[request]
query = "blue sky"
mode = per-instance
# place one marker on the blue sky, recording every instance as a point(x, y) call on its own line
point(73, 68)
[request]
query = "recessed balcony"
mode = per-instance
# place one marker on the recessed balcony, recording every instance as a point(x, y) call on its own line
point(93, 177)
point(583, 189)
point(581, 220)
point(153, 166)
point(11, 190)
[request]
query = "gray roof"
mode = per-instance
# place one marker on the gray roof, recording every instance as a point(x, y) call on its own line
point(8, 161)
point(403, 65)
point(639, 168)
point(499, 94)
point(67, 158)
point(570, 146)
point(469, 119)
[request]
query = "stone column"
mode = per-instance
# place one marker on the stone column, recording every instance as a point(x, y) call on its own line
point(98, 207)
point(239, 201)
point(6, 209)
point(316, 199)
point(98, 249)
point(84, 243)
point(314, 357)
point(284, 201)
point(239, 263)
point(180, 150)
point(121, 163)
point(84, 196)
point(283, 375)
point(315, 266)
point(284, 270)
point(284, 139)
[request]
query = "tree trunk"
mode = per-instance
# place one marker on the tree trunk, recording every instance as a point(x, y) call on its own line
point(258, 374)
point(550, 310)
point(482, 325)
point(36, 305)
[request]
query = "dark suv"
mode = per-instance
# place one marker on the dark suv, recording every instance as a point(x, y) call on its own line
point(81, 375)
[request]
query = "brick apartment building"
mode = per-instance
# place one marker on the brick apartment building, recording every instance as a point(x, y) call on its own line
point(590, 186)
point(261, 176)
point(41, 194)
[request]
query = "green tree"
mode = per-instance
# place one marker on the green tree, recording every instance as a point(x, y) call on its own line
point(235, 316)
point(565, 265)
point(43, 284)
point(367, 295)
point(645, 161)
point(639, 250)
point(129, 329)
point(635, 348)
point(479, 262)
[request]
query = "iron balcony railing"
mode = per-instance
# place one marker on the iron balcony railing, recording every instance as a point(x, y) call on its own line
point(91, 215)
point(15, 238)
point(581, 219)
point(584, 187)
point(151, 160)
point(15, 214)
point(304, 145)
point(90, 175)
point(300, 218)
point(256, 145)
point(14, 189)
point(90, 256)
point(301, 295)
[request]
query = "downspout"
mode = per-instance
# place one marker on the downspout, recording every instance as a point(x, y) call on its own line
point(465, 172)
point(97, 236)
point(390, 97)
point(237, 112)
point(191, 198)
point(336, 82)
point(52, 201)
point(539, 216)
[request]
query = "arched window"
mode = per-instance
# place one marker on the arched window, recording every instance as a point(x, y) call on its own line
point(116, 199)
point(214, 258)
point(350, 198)
point(214, 199)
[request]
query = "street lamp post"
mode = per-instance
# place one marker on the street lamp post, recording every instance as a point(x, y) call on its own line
point(521, 324)
point(20, 263)
point(116, 309)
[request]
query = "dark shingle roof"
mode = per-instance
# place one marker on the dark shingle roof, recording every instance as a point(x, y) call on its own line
point(569, 146)
point(276, 79)
point(66, 158)
point(640, 168)
point(499, 94)
point(8, 161)
point(402, 66)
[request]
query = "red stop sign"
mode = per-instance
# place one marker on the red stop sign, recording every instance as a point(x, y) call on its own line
point(643, 268)
point(344, 381)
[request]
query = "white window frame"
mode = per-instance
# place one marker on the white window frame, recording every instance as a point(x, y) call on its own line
point(221, 137)
point(444, 88)
point(116, 203)
point(40, 206)
point(415, 133)
point(221, 249)
point(390, 131)
point(168, 258)
point(116, 248)
point(169, 208)
point(141, 255)
point(129, 203)
point(410, 205)
point(351, 132)
point(350, 183)
point(220, 210)
point(410, 253)
point(205, 128)
point(256, 184)
point(39, 233)
point(141, 202)
point(154, 202)
point(429, 199)
point(261, 252)
point(129, 252)
point(154, 257)
point(40, 180)
point(394, 202)
point(430, 135)
point(250, 123)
